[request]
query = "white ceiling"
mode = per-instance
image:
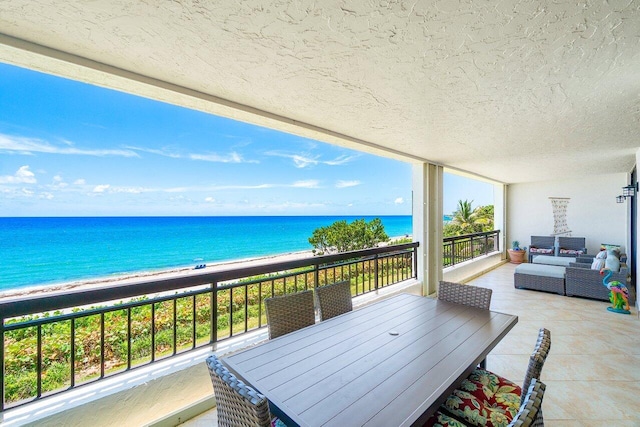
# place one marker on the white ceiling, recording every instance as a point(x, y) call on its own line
point(511, 90)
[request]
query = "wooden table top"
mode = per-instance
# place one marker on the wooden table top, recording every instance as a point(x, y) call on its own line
point(391, 363)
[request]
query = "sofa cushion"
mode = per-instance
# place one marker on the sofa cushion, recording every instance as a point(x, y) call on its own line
point(553, 260)
point(541, 270)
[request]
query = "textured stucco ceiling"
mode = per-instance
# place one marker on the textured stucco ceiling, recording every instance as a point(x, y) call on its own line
point(513, 90)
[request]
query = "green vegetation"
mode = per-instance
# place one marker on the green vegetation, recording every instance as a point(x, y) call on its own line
point(234, 307)
point(467, 220)
point(344, 237)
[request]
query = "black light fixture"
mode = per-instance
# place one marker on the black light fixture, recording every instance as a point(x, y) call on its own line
point(628, 191)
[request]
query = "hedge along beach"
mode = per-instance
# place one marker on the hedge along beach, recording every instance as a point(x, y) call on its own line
point(54, 254)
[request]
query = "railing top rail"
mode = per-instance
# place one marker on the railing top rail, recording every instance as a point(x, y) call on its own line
point(467, 236)
point(29, 304)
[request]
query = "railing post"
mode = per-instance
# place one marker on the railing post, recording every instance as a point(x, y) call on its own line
point(453, 252)
point(375, 270)
point(214, 312)
point(415, 262)
point(316, 275)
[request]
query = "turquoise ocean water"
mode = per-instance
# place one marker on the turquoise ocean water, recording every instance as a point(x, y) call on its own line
point(47, 251)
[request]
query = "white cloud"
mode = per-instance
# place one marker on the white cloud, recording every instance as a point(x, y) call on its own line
point(342, 160)
point(58, 183)
point(27, 192)
point(79, 182)
point(209, 200)
point(345, 184)
point(26, 146)
point(399, 201)
point(302, 160)
point(129, 190)
point(22, 176)
point(311, 183)
point(47, 196)
point(165, 153)
point(232, 157)
point(101, 188)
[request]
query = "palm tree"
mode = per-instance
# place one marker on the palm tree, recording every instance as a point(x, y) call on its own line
point(464, 218)
point(467, 220)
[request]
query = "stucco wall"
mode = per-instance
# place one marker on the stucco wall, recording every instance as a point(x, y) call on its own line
point(592, 211)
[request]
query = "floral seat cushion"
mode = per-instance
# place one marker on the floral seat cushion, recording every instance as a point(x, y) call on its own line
point(535, 250)
point(485, 399)
point(571, 251)
point(440, 419)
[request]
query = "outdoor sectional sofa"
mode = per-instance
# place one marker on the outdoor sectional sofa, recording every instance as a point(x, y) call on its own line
point(582, 281)
point(578, 279)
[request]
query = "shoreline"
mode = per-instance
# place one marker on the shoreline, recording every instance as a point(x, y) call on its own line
point(97, 282)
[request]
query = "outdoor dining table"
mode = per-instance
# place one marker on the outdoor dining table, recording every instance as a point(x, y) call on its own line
point(391, 363)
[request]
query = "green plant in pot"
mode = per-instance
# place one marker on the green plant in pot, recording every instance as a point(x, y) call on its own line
point(516, 253)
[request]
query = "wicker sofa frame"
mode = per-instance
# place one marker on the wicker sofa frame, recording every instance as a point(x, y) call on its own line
point(541, 242)
point(582, 281)
point(573, 244)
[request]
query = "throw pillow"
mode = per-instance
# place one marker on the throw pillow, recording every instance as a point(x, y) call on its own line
point(612, 262)
point(599, 261)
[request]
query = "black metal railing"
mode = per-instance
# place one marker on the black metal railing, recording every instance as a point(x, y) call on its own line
point(458, 249)
point(50, 344)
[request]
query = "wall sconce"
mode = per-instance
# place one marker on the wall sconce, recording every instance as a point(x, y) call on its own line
point(628, 191)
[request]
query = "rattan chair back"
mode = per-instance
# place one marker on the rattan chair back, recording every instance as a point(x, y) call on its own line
point(543, 242)
point(473, 296)
point(237, 404)
point(334, 300)
point(288, 313)
point(537, 359)
point(530, 413)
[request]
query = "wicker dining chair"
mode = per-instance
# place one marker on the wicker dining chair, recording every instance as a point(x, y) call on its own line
point(484, 394)
point(530, 413)
point(474, 296)
point(334, 299)
point(237, 404)
point(288, 313)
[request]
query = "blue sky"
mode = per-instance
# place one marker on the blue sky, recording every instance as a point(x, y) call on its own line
point(72, 149)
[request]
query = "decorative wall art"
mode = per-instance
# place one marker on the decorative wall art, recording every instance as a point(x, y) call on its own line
point(559, 205)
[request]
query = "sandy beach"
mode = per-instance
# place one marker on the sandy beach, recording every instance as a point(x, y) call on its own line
point(145, 275)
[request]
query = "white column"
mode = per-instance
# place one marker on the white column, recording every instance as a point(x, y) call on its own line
point(427, 223)
point(499, 215)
